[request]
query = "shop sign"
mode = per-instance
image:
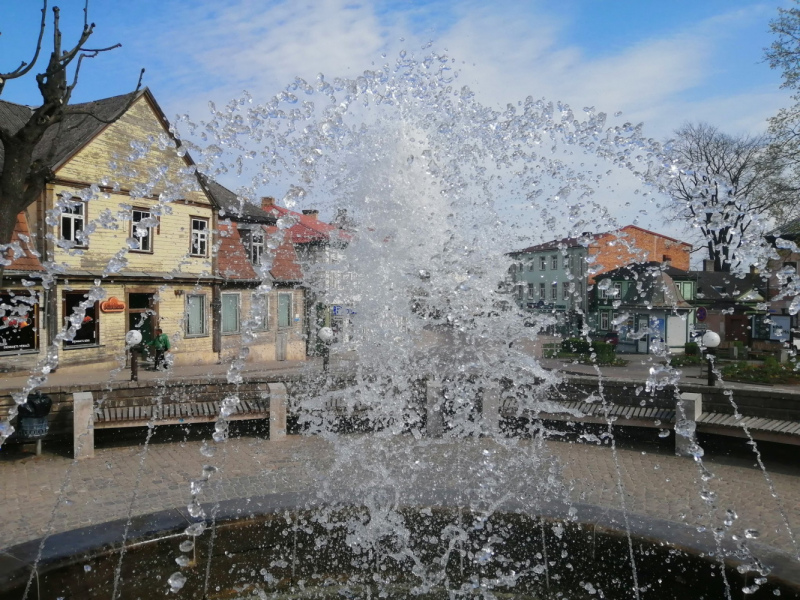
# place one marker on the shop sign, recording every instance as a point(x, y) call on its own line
point(112, 305)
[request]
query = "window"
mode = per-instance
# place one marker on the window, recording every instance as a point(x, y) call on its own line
point(530, 290)
point(617, 290)
point(554, 262)
point(604, 320)
point(554, 290)
point(199, 237)
point(230, 313)
point(520, 291)
point(565, 291)
point(256, 249)
point(530, 266)
point(19, 329)
point(284, 310)
point(144, 232)
point(72, 221)
point(260, 311)
point(542, 263)
point(542, 293)
point(195, 315)
point(82, 320)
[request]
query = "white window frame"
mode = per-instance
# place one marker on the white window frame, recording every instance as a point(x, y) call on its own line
point(255, 248)
point(199, 238)
point(68, 214)
point(204, 331)
point(554, 262)
point(542, 290)
point(543, 263)
point(554, 290)
point(530, 290)
point(238, 328)
point(145, 213)
point(604, 321)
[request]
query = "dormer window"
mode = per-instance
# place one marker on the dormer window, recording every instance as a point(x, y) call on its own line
point(256, 249)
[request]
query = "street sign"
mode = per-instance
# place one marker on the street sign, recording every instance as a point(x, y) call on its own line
point(701, 313)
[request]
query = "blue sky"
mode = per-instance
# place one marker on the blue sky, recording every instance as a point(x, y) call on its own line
point(659, 62)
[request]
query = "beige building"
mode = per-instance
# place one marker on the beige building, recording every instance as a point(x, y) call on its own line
point(124, 237)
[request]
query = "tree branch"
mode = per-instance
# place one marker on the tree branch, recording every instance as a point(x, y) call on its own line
point(25, 67)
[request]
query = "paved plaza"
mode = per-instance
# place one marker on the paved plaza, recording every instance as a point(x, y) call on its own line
point(52, 493)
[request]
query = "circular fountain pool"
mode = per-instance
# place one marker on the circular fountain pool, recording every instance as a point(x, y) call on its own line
point(291, 546)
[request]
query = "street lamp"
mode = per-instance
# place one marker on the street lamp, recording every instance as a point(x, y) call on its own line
point(132, 339)
point(325, 335)
point(710, 340)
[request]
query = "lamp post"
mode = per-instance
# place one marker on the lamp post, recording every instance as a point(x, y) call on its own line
point(325, 334)
point(132, 339)
point(710, 340)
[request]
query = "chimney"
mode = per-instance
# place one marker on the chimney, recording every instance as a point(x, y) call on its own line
point(267, 202)
point(708, 265)
point(310, 212)
point(666, 260)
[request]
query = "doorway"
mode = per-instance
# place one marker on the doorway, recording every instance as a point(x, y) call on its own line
point(142, 317)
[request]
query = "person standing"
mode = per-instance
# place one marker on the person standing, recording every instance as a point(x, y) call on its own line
point(160, 344)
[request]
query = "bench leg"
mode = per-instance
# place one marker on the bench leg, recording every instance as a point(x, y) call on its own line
point(83, 425)
point(277, 412)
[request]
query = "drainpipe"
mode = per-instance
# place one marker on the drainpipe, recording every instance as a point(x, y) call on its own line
point(216, 321)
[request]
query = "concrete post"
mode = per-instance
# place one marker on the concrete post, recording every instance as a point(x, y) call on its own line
point(491, 410)
point(82, 425)
point(685, 439)
point(278, 403)
point(434, 417)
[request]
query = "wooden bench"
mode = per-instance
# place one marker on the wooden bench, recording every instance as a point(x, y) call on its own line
point(177, 413)
point(87, 417)
point(759, 428)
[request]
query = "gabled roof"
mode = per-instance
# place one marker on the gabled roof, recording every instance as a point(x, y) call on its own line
point(308, 229)
point(717, 285)
point(787, 231)
point(28, 261)
point(655, 286)
point(587, 238)
point(233, 262)
point(80, 124)
point(231, 206)
point(567, 242)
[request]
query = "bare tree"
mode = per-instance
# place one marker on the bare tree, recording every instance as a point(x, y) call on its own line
point(23, 175)
point(724, 185)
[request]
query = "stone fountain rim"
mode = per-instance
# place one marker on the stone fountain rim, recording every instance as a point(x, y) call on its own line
point(78, 545)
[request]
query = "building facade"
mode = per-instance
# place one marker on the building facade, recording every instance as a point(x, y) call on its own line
point(125, 236)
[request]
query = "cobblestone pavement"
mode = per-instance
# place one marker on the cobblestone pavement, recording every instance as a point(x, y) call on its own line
point(52, 493)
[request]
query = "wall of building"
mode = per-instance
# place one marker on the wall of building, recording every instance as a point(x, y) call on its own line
point(532, 273)
point(633, 244)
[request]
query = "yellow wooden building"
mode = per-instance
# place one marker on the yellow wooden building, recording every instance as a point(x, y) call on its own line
point(124, 237)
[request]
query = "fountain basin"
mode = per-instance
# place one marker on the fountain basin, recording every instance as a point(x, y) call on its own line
point(292, 545)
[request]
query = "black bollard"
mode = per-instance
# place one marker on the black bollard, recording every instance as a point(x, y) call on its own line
point(134, 365)
point(711, 377)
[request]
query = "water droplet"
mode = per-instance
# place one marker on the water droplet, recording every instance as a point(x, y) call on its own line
point(751, 534)
point(87, 568)
point(183, 560)
point(176, 581)
point(186, 545)
point(195, 529)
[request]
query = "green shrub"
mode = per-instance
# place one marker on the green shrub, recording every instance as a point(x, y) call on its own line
point(604, 351)
point(691, 349)
point(683, 360)
point(575, 346)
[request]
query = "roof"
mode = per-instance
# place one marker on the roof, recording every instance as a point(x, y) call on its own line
point(657, 288)
point(586, 239)
point(719, 285)
point(79, 125)
point(788, 231)
point(28, 261)
point(233, 261)
point(307, 229)
point(232, 206)
point(567, 242)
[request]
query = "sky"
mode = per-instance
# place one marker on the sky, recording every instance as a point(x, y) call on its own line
point(660, 63)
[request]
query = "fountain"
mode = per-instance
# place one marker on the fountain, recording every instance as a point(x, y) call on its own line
point(430, 497)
